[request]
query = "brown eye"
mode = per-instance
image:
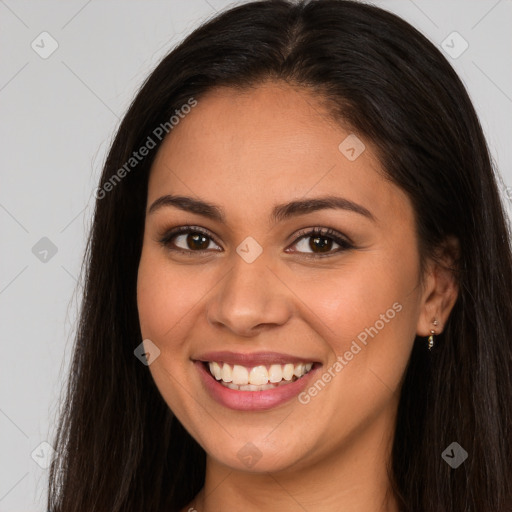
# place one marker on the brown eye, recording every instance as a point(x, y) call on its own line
point(197, 241)
point(188, 240)
point(321, 242)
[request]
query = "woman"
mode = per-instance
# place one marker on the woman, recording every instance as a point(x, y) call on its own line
point(297, 282)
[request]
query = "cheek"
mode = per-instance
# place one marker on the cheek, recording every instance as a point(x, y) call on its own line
point(156, 307)
point(368, 311)
point(166, 295)
point(352, 297)
point(165, 300)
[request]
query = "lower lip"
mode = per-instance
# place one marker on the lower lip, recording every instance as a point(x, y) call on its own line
point(252, 400)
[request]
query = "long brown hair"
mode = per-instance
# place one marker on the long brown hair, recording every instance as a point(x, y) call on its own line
point(120, 447)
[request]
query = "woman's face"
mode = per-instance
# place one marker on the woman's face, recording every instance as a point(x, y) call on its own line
point(256, 294)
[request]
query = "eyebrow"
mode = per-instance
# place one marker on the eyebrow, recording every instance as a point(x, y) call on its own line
point(280, 212)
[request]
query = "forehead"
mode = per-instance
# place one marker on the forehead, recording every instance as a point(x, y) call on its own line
point(269, 144)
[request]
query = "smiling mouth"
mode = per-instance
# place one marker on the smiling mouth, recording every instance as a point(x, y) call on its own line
point(256, 378)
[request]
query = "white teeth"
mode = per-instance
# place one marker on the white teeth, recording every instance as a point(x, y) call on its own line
point(240, 375)
point(216, 370)
point(259, 377)
point(275, 374)
point(252, 387)
point(288, 371)
point(298, 369)
point(227, 373)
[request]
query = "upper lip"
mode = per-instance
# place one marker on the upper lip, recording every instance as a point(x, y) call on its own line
point(251, 359)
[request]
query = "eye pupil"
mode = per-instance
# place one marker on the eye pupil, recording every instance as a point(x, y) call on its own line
point(324, 247)
point(197, 241)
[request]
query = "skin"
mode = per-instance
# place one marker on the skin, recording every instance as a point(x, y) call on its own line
point(247, 151)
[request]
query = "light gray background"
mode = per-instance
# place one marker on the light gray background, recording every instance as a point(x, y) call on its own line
point(57, 119)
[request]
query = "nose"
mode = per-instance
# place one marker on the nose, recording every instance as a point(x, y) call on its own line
point(251, 298)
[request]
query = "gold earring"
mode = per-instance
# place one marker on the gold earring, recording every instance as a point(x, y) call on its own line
point(431, 340)
point(431, 337)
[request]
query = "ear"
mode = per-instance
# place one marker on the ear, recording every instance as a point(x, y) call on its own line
point(440, 288)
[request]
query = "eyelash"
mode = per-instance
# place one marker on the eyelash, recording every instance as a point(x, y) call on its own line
point(344, 244)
